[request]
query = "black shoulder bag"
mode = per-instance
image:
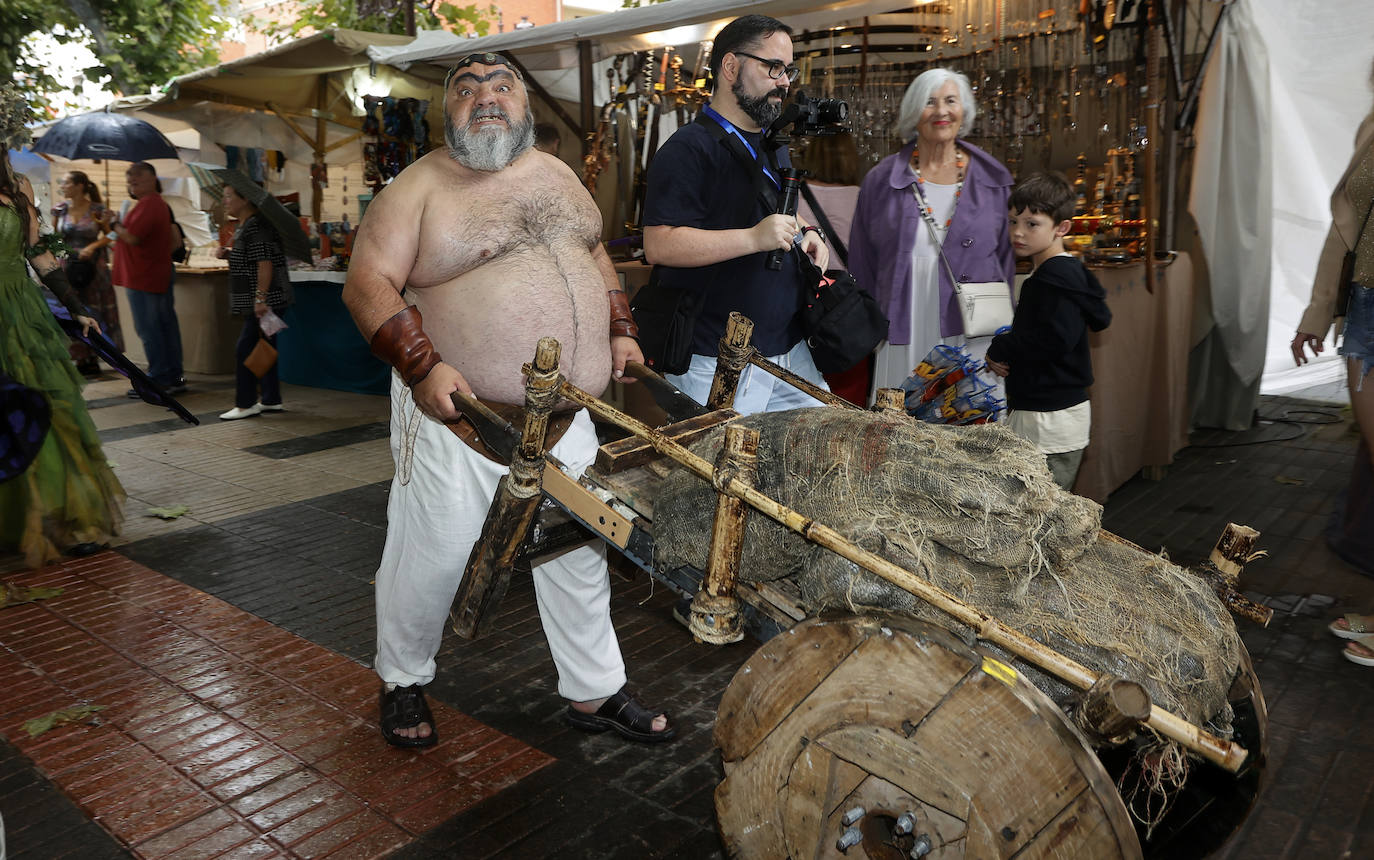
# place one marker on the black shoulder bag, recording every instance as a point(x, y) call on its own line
point(842, 321)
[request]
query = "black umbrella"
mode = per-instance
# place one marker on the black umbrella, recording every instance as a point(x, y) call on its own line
point(105, 135)
point(294, 242)
point(148, 390)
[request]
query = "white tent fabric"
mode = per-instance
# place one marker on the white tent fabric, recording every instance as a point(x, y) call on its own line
point(1285, 90)
point(682, 22)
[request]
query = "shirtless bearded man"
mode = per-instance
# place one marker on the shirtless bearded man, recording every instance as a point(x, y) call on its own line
point(496, 245)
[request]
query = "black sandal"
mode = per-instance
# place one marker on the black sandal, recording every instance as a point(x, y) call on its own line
point(406, 708)
point(624, 715)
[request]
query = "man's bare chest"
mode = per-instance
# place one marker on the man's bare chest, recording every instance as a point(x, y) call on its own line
point(467, 230)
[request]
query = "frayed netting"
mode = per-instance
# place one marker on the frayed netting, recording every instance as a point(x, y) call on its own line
point(974, 511)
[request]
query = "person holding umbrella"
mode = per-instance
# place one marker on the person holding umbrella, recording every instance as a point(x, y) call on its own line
point(65, 497)
point(257, 283)
point(80, 218)
point(143, 266)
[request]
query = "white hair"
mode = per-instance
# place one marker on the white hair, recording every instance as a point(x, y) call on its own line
point(919, 94)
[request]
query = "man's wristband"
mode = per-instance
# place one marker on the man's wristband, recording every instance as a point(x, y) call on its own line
point(811, 228)
point(622, 321)
point(402, 343)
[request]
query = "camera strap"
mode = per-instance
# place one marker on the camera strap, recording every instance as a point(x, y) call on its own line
point(742, 152)
point(835, 241)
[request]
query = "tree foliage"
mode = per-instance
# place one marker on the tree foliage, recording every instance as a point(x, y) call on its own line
point(381, 16)
point(139, 44)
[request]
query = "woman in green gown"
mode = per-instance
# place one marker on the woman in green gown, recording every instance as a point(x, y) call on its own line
point(67, 499)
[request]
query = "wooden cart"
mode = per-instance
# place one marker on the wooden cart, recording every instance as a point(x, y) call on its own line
point(861, 736)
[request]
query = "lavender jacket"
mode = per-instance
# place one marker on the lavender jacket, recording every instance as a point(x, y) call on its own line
point(885, 227)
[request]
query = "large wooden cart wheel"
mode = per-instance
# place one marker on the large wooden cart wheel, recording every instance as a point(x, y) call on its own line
point(847, 729)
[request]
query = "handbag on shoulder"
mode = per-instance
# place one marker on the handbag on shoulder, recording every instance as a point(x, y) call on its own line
point(984, 307)
point(842, 321)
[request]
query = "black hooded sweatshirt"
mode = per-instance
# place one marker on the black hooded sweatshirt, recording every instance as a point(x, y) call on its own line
point(1047, 347)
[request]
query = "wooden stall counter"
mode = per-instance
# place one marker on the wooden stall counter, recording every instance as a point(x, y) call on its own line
point(208, 331)
point(1140, 367)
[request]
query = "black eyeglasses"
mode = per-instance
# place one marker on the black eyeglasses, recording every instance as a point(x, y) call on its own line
point(776, 68)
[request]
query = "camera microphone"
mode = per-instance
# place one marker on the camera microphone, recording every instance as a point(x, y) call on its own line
point(787, 205)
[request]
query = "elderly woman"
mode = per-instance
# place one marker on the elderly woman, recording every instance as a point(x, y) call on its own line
point(937, 191)
point(1351, 535)
point(81, 220)
point(257, 283)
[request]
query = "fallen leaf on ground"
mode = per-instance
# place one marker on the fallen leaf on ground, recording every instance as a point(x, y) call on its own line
point(170, 512)
point(1284, 479)
point(75, 714)
point(13, 595)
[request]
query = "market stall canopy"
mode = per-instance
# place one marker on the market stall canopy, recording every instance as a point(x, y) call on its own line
point(682, 22)
point(286, 75)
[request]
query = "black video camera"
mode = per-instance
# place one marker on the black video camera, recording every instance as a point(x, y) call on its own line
point(817, 117)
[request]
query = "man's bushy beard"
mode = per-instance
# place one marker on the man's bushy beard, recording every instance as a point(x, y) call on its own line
point(489, 149)
point(757, 108)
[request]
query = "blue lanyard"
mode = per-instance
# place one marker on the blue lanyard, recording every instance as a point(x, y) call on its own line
point(730, 129)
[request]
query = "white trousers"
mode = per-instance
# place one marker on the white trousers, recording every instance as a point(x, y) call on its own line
point(758, 390)
point(439, 500)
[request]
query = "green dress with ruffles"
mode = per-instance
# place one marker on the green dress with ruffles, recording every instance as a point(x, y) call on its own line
point(69, 494)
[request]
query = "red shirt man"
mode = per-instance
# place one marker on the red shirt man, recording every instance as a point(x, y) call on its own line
point(143, 254)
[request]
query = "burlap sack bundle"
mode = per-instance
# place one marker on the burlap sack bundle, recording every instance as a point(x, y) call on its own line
point(974, 511)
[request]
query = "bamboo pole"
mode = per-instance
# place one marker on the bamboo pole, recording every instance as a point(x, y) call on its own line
point(514, 505)
point(715, 609)
point(1224, 753)
point(731, 359)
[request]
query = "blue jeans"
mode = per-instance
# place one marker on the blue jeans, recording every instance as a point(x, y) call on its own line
point(758, 391)
point(155, 321)
point(1357, 341)
point(245, 383)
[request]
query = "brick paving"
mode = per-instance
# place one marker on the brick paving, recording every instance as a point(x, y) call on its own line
point(276, 556)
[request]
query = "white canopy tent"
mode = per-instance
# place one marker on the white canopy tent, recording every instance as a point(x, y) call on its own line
point(1284, 92)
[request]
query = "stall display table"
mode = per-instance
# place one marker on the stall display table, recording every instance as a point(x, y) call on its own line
point(1140, 367)
point(322, 347)
point(208, 331)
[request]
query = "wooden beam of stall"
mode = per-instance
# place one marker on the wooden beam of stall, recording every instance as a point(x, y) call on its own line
point(547, 97)
point(321, 130)
point(290, 123)
point(347, 140)
point(584, 90)
point(1224, 753)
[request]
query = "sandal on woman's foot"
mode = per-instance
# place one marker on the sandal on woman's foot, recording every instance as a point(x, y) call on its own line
point(1352, 626)
point(624, 715)
point(1360, 651)
point(406, 708)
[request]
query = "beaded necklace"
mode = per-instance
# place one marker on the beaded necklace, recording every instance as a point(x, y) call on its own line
point(927, 212)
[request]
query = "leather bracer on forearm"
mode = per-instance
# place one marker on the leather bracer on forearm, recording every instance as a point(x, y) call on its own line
point(56, 280)
point(622, 321)
point(401, 342)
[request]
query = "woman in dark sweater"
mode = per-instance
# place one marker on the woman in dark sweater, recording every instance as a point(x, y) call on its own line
point(257, 283)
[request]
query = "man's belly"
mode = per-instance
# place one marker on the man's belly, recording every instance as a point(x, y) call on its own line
point(487, 322)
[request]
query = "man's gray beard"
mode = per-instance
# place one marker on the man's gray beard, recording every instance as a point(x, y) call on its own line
point(490, 149)
point(759, 109)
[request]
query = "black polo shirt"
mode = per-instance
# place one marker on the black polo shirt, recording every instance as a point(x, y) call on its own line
point(695, 181)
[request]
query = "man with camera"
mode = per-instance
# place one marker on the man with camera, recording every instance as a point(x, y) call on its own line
point(711, 218)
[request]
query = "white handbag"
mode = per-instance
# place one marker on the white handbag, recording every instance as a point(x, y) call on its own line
point(984, 307)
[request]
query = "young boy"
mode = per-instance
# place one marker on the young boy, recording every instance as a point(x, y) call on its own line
point(1045, 355)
